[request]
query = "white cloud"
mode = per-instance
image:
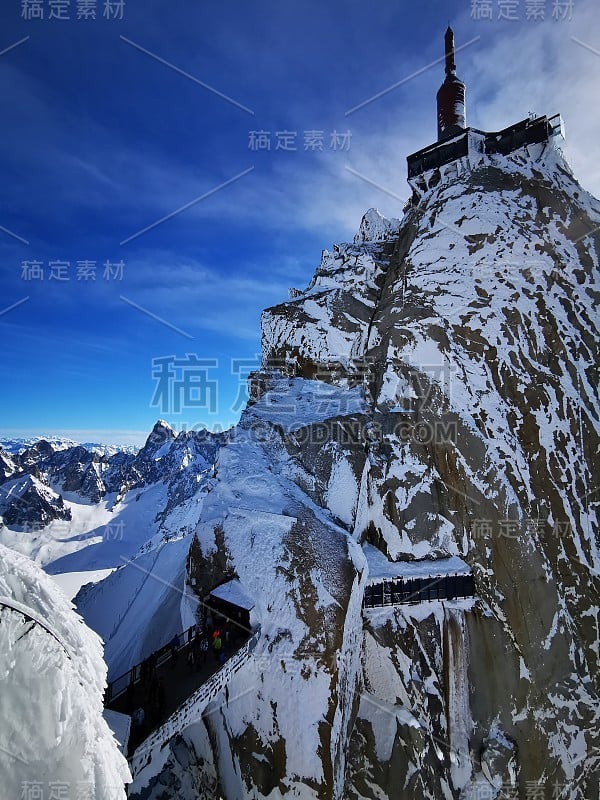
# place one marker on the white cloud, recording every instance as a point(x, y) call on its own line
point(195, 296)
point(538, 67)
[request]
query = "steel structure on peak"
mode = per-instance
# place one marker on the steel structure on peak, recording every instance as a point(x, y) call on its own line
point(456, 141)
point(451, 109)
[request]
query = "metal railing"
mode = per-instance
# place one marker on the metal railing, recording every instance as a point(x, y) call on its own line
point(183, 714)
point(399, 591)
point(36, 617)
point(120, 685)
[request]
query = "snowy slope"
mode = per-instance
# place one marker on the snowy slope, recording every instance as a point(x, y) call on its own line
point(52, 680)
point(137, 609)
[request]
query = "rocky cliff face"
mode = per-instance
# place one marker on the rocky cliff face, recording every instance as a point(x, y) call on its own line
point(432, 393)
point(476, 332)
point(7, 466)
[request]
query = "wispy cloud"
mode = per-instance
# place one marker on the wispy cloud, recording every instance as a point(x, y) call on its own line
point(103, 142)
point(560, 76)
point(231, 304)
point(188, 205)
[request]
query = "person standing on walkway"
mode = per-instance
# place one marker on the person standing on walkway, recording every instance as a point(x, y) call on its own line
point(130, 693)
point(204, 648)
point(153, 697)
point(217, 645)
point(174, 644)
point(138, 718)
point(138, 730)
point(153, 658)
point(200, 648)
point(191, 658)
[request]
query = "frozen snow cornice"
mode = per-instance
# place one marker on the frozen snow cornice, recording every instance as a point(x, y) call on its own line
point(380, 568)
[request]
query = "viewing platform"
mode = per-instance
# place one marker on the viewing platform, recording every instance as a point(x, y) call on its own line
point(474, 142)
point(392, 583)
point(456, 140)
point(186, 671)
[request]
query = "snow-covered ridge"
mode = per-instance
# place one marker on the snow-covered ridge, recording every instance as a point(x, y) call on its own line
point(327, 324)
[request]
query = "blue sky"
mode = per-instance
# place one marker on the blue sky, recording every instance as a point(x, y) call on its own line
point(102, 138)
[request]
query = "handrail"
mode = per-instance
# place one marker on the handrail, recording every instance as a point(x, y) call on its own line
point(206, 691)
point(34, 616)
point(133, 674)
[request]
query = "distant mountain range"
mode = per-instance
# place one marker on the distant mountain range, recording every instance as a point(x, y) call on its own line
point(16, 445)
point(34, 474)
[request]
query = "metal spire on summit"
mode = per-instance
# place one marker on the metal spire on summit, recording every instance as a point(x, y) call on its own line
point(451, 109)
point(455, 141)
point(449, 44)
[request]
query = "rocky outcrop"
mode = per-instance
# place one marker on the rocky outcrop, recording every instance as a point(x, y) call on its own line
point(8, 468)
point(28, 504)
point(91, 474)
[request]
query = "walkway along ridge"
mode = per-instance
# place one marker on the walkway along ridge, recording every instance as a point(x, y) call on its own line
point(400, 591)
point(183, 715)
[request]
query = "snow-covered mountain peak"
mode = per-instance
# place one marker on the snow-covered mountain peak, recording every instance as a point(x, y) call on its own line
point(161, 435)
point(428, 403)
point(161, 424)
point(374, 227)
point(30, 504)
